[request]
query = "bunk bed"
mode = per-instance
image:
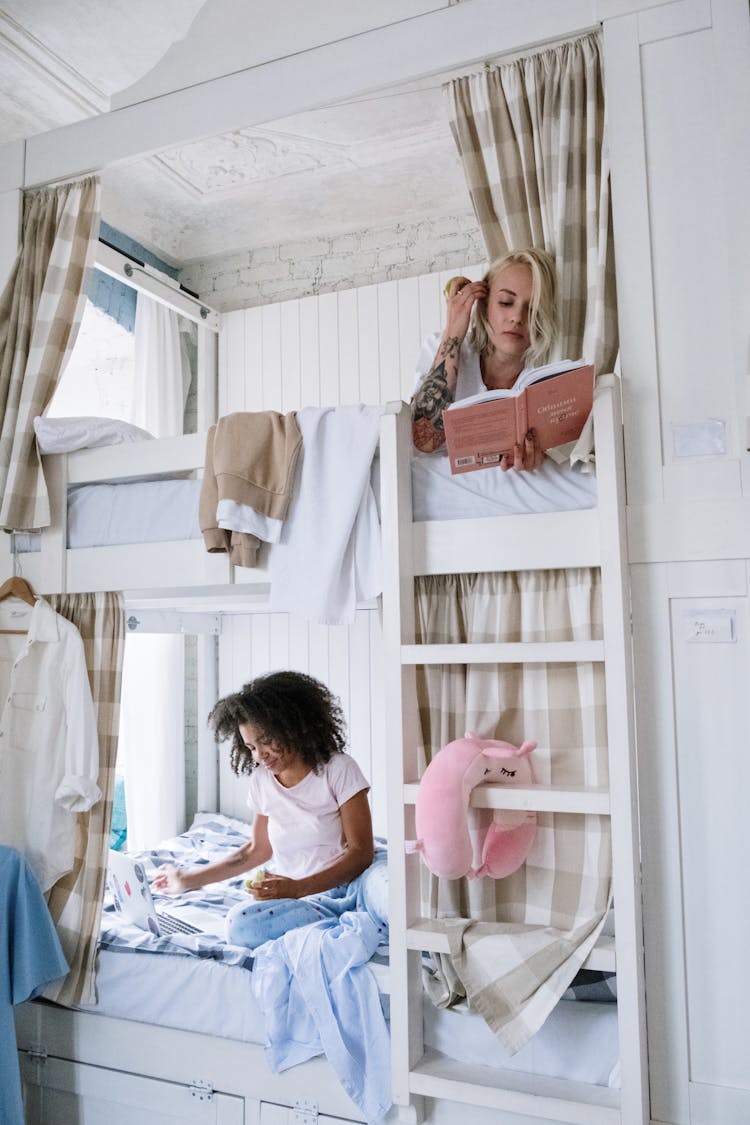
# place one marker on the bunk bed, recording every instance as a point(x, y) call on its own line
point(68, 1054)
point(125, 516)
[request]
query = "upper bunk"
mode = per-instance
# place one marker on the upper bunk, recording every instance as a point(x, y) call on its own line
point(161, 565)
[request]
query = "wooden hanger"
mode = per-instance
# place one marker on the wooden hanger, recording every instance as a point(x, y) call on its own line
point(17, 588)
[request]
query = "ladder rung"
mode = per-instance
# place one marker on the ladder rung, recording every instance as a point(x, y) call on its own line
point(530, 652)
point(575, 1103)
point(421, 935)
point(538, 798)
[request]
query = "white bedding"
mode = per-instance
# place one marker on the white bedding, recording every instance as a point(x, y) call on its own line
point(578, 1041)
point(201, 984)
point(137, 512)
point(161, 511)
point(439, 495)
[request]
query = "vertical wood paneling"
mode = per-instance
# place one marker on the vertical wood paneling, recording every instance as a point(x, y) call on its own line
point(231, 360)
point(355, 346)
point(409, 337)
point(250, 396)
point(318, 651)
point(309, 337)
point(328, 348)
point(348, 322)
point(368, 345)
point(388, 336)
point(271, 367)
point(290, 372)
point(431, 305)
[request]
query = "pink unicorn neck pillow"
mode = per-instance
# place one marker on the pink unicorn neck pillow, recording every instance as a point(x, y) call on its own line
point(449, 847)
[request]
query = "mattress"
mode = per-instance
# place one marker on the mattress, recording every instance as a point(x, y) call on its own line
point(144, 511)
point(439, 495)
point(578, 1041)
point(202, 984)
point(161, 511)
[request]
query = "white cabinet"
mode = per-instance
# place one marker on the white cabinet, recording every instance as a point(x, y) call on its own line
point(59, 1092)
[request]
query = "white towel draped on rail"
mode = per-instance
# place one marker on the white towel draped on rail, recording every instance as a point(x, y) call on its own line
point(328, 558)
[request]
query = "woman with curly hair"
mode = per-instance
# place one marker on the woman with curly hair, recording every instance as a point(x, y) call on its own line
point(312, 828)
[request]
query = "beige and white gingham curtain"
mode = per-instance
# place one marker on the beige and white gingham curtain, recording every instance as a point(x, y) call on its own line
point(40, 313)
point(531, 136)
point(516, 943)
point(75, 901)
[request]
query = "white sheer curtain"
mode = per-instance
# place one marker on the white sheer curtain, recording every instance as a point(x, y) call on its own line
point(152, 737)
point(152, 729)
point(161, 379)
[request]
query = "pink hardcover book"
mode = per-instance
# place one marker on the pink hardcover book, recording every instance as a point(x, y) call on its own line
point(554, 400)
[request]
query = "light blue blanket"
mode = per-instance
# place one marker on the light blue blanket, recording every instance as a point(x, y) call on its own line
point(318, 995)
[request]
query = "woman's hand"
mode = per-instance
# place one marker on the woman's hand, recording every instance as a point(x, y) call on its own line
point(460, 299)
point(526, 457)
point(274, 886)
point(169, 880)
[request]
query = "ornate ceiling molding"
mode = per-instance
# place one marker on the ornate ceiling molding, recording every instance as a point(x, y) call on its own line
point(224, 165)
point(65, 87)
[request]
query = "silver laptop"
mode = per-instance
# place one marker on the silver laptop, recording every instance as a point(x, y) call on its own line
point(132, 896)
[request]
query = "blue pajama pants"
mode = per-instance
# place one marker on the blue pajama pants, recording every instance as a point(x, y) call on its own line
point(254, 923)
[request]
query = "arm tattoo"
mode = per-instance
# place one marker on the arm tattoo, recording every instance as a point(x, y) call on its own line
point(449, 347)
point(432, 398)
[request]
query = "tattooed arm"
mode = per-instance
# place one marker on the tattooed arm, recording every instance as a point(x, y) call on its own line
point(438, 389)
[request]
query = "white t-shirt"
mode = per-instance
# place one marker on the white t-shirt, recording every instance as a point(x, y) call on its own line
point(304, 821)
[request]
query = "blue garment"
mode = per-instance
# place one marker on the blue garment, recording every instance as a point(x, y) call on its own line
point(253, 923)
point(318, 995)
point(30, 957)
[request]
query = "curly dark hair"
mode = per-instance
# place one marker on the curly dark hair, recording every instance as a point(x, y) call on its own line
point(296, 711)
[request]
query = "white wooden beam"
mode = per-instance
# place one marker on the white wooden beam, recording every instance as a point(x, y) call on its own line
point(461, 35)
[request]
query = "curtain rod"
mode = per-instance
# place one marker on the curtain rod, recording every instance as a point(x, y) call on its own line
point(143, 266)
point(124, 267)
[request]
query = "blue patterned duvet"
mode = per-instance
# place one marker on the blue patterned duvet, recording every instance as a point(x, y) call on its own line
point(213, 839)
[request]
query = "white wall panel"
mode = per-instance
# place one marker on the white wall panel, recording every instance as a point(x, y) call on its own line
point(711, 675)
point(357, 345)
point(346, 658)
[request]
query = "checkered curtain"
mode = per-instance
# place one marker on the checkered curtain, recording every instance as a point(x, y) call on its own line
point(516, 943)
point(40, 313)
point(531, 136)
point(75, 901)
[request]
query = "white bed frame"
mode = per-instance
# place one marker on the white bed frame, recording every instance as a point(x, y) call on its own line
point(70, 1055)
point(595, 537)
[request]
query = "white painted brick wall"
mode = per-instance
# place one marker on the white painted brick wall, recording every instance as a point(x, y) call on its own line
point(269, 274)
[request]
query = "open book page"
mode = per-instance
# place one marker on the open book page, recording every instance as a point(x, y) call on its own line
point(528, 376)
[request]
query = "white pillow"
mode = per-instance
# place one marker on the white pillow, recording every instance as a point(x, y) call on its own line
point(65, 435)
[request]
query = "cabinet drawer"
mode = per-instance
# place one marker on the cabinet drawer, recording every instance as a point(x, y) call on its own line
point(59, 1092)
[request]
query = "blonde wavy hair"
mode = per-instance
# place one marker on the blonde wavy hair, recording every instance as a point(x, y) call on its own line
point(544, 324)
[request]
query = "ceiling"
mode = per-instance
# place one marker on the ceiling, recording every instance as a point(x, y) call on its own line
point(378, 160)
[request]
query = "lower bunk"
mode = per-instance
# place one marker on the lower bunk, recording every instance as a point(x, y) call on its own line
point(178, 1033)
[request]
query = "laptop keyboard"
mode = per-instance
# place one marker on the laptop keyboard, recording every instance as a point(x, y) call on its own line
point(168, 924)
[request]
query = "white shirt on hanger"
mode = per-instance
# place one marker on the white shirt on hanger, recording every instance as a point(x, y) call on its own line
point(49, 750)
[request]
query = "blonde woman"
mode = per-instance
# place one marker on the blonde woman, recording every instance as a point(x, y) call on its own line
point(514, 326)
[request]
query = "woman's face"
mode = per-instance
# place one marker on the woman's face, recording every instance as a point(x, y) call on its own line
point(508, 304)
point(264, 750)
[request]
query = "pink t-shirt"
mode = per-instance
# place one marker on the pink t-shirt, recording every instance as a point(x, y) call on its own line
point(304, 822)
